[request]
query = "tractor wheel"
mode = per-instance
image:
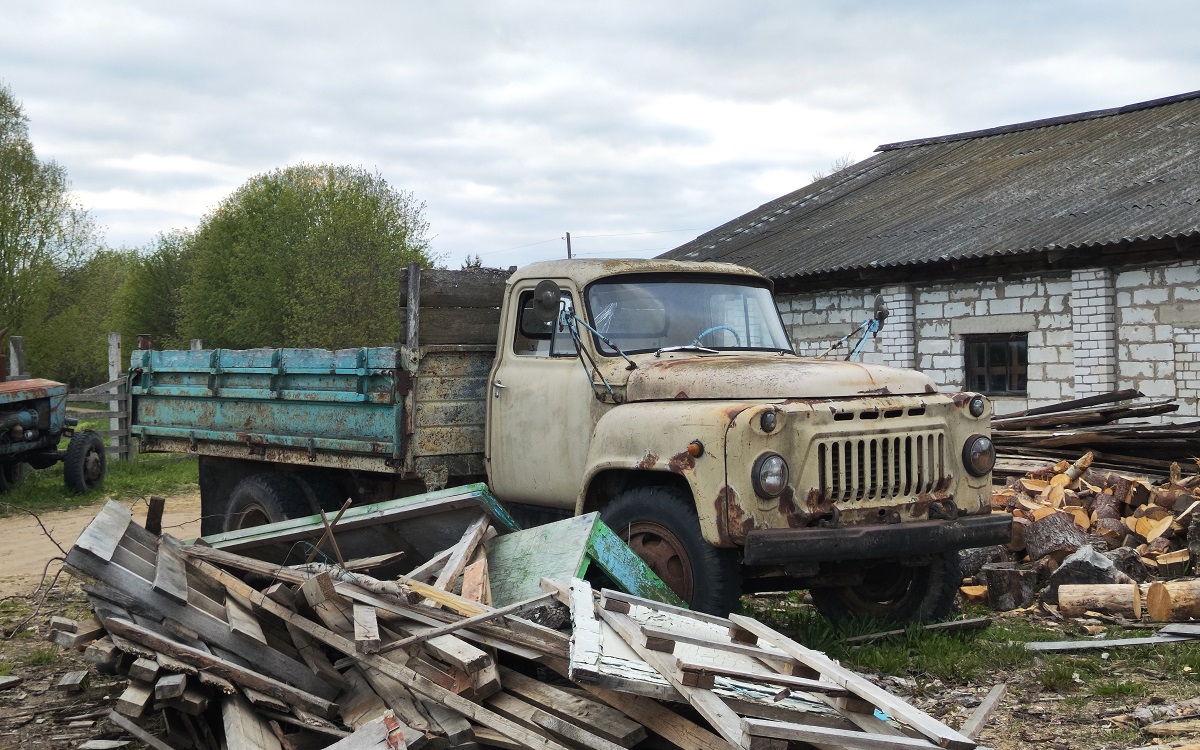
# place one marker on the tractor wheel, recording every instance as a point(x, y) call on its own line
point(660, 525)
point(264, 498)
point(85, 464)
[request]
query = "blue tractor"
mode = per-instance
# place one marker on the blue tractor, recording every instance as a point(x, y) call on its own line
point(33, 419)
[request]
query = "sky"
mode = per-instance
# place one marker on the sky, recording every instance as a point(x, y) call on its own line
point(635, 126)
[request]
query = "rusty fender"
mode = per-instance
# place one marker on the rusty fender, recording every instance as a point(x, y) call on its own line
point(653, 437)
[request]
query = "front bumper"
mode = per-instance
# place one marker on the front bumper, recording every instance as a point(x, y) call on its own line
point(874, 542)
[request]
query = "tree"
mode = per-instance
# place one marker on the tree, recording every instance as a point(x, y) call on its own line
point(43, 231)
point(838, 165)
point(150, 299)
point(308, 255)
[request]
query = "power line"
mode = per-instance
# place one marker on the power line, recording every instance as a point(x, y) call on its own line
point(588, 236)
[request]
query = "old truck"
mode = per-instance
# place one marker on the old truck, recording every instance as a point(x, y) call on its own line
point(663, 394)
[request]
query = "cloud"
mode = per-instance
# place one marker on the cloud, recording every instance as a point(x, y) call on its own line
point(516, 121)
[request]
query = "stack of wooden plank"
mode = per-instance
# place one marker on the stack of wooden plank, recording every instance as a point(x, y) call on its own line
point(1094, 424)
point(1056, 509)
point(223, 650)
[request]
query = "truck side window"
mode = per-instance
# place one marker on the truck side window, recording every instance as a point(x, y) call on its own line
point(537, 339)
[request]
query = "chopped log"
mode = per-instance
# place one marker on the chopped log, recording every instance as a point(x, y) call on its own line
point(1008, 586)
point(1110, 599)
point(1158, 603)
point(1055, 535)
point(1086, 566)
point(1020, 529)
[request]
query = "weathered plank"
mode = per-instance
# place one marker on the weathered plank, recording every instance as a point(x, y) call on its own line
point(135, 731)
point(244, 728)
point(831, 670)
point(460, 554)
point(170, 686)
point(142, 598)
point(984, 710)
point(221, 667)
point(104, 533)
point(73, 682)
point(170, 577)
point(366, 629)
point(132, 702)
point(596, 717)
point(727, 723)
point(834, 738)
point(516, 709)
point(398, 672)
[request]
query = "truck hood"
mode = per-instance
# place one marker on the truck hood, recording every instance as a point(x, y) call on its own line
point(770, 377)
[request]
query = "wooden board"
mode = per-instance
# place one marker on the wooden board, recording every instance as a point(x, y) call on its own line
point(104, 533)
point(561, 551)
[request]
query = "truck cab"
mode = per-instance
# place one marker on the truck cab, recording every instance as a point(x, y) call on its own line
point(667, 396)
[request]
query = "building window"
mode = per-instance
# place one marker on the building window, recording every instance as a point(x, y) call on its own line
point(996, 363)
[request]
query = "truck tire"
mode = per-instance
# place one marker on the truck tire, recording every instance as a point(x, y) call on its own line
point(896, 593)
point(660, 525)
point(261, 499)
point(85, 463)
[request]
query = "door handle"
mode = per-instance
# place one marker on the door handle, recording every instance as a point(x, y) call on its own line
point(498, 386)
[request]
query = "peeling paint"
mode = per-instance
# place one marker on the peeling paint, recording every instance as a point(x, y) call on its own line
point(681, 462)
point(649, 461)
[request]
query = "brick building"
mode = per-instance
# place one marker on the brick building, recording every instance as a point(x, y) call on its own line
point(1034, 262)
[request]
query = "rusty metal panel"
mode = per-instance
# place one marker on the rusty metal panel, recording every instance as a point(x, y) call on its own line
point(451, 405)
point(320, 404)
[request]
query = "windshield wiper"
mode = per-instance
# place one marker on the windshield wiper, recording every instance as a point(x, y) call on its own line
point(686, 348)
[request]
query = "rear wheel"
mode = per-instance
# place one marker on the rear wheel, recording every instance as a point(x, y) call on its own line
point(261, 499)
point(85, 464)
point(660, 525)
point(896, 593)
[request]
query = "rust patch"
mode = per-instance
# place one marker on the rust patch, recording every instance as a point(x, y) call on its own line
point(929, 389)
point(681, 462)
point(682, 395)
point(961, 399)
point(795, 517)
point(649, 461)
point(881, 391)
point(729, 514)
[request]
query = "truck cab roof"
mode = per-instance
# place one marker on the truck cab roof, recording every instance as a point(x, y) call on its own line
point(585, 271)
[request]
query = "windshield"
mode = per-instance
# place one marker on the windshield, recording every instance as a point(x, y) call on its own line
point(648, 313)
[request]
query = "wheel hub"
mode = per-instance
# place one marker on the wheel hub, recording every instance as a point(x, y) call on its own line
point(93, 467)
point(665, 555)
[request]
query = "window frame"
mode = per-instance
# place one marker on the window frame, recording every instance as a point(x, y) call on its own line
point(1013, 368)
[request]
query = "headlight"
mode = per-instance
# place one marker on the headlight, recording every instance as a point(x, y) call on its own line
point(976, 406)
point(768, 421)
point(770, 475)
point(979, 455)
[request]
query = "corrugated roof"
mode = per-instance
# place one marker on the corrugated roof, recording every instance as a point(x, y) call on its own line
point(1068, 183)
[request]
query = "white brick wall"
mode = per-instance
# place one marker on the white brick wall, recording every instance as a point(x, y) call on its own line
point(1094, 331)
point(1089, 331)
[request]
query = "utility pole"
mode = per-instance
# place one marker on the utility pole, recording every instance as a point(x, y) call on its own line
point(568, 245)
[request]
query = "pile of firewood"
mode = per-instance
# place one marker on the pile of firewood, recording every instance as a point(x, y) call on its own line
point(1060, 509)
point(1115, 427)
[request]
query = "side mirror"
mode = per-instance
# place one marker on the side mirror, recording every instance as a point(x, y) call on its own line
point(881, 312)
point(546, 296)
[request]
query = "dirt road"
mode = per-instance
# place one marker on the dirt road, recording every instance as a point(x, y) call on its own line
point(25, 548)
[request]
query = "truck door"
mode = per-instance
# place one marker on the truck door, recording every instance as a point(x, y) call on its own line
point(539, 405)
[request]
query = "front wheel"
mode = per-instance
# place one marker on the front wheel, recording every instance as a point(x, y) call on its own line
point(896, 593)
point(660, 525)
point(85, 464)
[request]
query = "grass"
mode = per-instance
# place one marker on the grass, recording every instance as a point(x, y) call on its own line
point(144, 475)
point(41, 657)
point(984, 655)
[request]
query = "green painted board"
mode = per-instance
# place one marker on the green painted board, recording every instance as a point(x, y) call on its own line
point(368, 515)
point(563, 550)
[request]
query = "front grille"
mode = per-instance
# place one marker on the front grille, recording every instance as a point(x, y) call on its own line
point(865, 468)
